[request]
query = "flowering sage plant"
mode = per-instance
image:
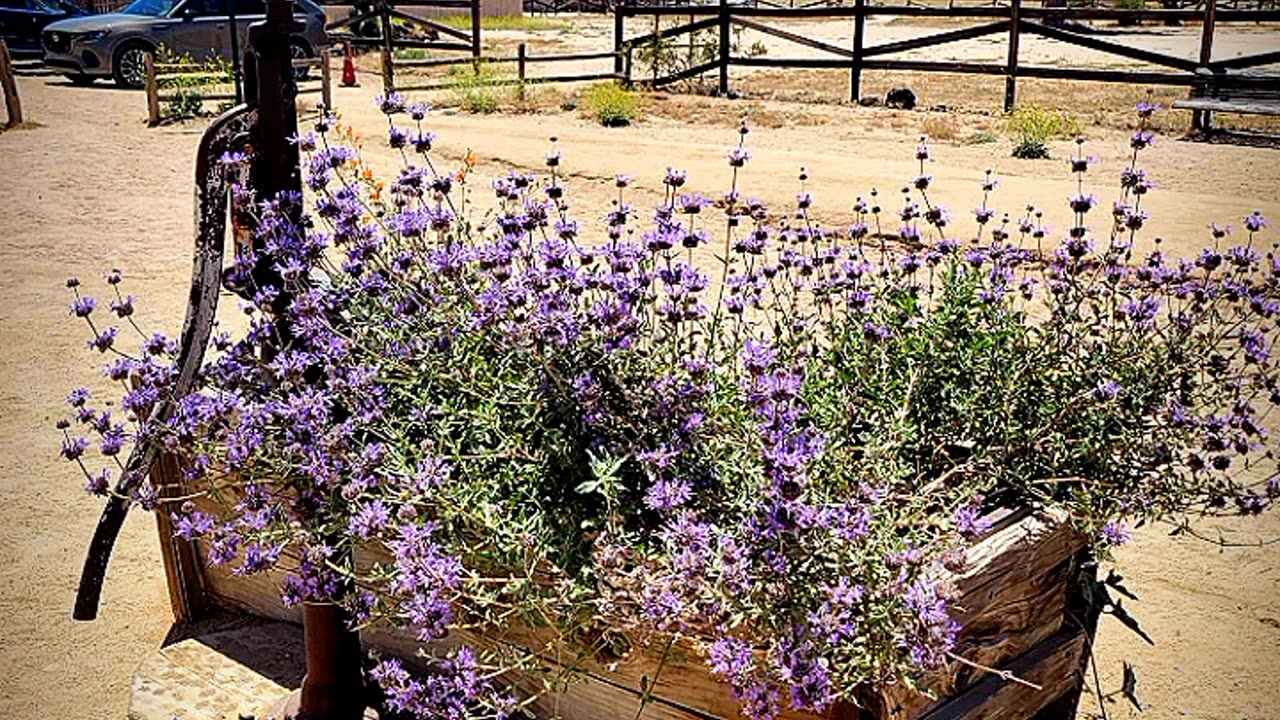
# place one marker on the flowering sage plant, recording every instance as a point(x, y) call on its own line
point(713, 419)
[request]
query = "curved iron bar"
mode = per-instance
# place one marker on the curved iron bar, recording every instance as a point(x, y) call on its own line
point(229, 132)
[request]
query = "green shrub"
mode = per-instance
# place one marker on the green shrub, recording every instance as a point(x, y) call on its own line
point(982, 137)
point(1032, 127)
point(611, 104)
point(186, 90)
point(476, 89)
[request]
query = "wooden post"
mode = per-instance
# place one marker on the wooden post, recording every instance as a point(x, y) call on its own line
point(1011, 72)
point(859, 41)
point(522, 51)
point(689, 53)
point(657, 49)
point(1203, 119)
point(626, 70)
point(388, 49)
point(326, 78)
point(12, 103)
point(153, 90)
point(619, 29)
point(475, 29)
point(724, 48)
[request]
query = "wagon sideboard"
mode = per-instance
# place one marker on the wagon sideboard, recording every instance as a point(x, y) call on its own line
point(1016, 600)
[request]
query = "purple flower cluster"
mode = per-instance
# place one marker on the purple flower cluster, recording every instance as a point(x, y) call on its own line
point(721, 422)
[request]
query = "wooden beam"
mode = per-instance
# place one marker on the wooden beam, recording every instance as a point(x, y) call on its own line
point(475, 28)
point(704, 24)
point(1011, 71)
point(723, 21)
point(388, 51)
point(1246, 61)
point(437, 26)
point(859, 50)
point(938, 38)
point(1112, 48)
point(793, 37)
point(153, 91)
point(12, 102)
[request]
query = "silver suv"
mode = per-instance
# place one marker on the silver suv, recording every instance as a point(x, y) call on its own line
point(116, 45)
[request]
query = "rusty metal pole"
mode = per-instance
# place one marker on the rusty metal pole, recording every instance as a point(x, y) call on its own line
point(333, 688)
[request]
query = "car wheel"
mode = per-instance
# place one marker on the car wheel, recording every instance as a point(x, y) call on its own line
point(298, 51)
point(81, 80)
point(130, 66)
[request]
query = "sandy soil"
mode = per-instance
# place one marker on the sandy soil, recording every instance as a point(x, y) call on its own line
point(91, 188)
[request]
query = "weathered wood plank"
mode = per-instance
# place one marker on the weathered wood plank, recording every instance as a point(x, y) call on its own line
point(1012, 594)
point(1232, 106)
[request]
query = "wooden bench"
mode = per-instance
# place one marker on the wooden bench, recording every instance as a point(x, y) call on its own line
point(1242, 93)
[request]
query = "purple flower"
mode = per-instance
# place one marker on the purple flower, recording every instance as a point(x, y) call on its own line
point(83, 306)
point(1105, 391)
point(73, 448)
point(98, 484)
point(1116, 533)
point(78, 397)
point(1255, 222)
point(739, 157)
point(1147, 108)
point(668, 494)
point(190, 526)
point(369, 519)
point(729, 658)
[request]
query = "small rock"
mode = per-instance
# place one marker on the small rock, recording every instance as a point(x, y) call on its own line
point(869, 101)
point(901, 97)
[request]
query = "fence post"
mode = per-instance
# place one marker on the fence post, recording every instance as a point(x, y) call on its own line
point(1203, 119)
point(522, 51)
point(153, 90)
point(859, 40)
point(326, 78)
point(657, 48)
point(1011, 71)
point(619, 29)
point(626, 70)
point(475, 29)
point(724, 48)
point(12, 102)
point(388, 49)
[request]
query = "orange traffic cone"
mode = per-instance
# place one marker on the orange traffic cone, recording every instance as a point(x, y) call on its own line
point(349, 68)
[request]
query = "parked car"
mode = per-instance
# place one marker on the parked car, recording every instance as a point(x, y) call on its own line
point(21, 22)
point(116, 45)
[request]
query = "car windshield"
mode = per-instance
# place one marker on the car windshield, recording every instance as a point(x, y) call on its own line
point(154, 8)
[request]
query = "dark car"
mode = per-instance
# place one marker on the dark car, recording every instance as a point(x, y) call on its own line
point(116, 45)
point(22, 21)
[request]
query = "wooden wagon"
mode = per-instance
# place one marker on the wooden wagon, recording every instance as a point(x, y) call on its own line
point(1021, 601)
point(1022, 598)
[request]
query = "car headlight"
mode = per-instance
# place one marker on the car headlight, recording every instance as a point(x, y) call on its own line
point(94, 35)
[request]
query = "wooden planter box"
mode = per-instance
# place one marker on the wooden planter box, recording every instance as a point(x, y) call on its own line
point(1019, 604)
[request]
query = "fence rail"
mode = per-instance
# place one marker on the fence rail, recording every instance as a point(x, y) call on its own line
point(522, 60)
point(158, 73)
point(1011, 19)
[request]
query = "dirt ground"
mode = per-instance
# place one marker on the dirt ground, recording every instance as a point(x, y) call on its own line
point(91, 187)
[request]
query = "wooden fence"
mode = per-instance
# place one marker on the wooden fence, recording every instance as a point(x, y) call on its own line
point(1012, 20)
point(451, 39)
point(435, 35)
point(521, 61)
point(205, 77)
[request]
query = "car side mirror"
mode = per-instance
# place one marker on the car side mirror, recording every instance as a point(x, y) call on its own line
point(188, 14)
